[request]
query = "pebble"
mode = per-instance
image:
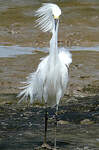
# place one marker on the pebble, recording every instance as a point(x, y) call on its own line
point(62, 122)
point(86, 122)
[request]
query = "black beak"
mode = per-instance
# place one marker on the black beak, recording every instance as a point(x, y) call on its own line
point(56, 21)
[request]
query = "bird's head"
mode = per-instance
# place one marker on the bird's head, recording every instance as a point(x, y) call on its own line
point(48, 16)
point(56, 11)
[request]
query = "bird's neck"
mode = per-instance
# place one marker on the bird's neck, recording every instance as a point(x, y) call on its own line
point(53, 44)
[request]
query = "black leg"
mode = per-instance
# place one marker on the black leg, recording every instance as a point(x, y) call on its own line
point(46, 119)
point(55, 126)
point(45, 145)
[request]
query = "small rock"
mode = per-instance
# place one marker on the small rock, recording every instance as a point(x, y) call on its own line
point(62, 122)
point(86, 122)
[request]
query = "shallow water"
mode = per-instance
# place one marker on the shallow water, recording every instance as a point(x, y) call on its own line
point(12, 51)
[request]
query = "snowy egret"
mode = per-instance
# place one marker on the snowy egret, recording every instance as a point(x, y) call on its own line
point(49, 81)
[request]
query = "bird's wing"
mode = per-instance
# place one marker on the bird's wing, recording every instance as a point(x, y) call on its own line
point(65, 56)
point(34, 85)
point(45, 20)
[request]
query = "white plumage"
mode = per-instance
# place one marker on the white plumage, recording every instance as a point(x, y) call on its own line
point(45, 14)
point(49, 81)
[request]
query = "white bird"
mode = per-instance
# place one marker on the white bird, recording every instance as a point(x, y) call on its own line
point(49, 81)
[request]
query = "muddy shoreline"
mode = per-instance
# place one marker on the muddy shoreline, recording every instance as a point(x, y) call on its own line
point(22, 126)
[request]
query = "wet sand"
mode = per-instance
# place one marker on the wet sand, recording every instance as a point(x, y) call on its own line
point(22, 127)
point(83, 73)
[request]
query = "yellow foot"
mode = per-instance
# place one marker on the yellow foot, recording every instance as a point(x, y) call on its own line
point(46, 146)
